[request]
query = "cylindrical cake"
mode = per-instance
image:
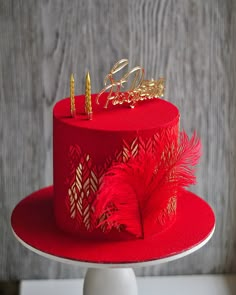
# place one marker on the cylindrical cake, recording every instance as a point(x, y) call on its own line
point(84, 151)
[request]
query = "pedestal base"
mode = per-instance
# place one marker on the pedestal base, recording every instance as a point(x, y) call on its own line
point(110, 281)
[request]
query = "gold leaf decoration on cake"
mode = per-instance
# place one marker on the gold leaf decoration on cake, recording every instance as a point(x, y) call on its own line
point(83, 185)
point(130, 149)
point(139, 89)
point(86, 178)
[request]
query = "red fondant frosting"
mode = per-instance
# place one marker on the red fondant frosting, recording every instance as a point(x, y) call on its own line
point(84, 150)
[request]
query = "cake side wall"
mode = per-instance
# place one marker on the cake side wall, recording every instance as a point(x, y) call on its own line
point(81, 157)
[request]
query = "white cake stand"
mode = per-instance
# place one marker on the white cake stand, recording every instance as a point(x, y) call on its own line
point(113, 279)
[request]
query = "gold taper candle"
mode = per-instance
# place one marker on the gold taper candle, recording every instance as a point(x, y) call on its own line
point(88, 99)
point(72, 96)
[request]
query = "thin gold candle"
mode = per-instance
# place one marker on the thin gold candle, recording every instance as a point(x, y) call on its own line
point(72, 96)
point(88, 99)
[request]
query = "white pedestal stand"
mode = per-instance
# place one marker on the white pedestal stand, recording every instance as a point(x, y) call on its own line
point(113, 279)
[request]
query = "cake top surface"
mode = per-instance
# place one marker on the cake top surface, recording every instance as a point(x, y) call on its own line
point(146, 115)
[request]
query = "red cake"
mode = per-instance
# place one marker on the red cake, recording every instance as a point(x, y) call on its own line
point(121, 170)
point(119, 175)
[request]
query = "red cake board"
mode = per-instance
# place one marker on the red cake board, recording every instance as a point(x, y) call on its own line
point(33, 223)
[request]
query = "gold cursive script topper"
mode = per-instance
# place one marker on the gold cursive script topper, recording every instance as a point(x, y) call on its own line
point(139, 90)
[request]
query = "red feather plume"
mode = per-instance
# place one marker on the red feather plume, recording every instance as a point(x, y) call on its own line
point(136, 194)
point(174, 171)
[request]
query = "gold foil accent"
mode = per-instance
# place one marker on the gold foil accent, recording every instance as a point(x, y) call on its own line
point(79, 192)
point(72, 96)
point(88, 99)
point(86, 177)
point(139, 90)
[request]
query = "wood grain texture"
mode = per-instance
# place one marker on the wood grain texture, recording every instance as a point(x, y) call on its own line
point(191, 43)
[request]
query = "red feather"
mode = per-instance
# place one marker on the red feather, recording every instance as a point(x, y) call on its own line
point(174, 172)
point(136, 194)
point(117, 202)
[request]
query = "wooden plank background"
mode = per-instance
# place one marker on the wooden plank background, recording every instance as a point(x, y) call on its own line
point(191, 43)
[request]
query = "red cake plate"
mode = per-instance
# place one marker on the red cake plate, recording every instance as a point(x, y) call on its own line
point(110, 262)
